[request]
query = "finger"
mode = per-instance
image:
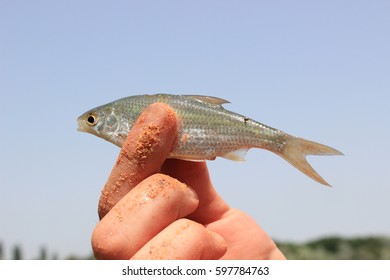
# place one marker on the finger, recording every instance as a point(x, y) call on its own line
point(155, 203)
point(148, 144)
point(195, 174)
point(183, 240)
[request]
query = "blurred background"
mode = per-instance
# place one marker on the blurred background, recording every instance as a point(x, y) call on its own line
point(318, 70)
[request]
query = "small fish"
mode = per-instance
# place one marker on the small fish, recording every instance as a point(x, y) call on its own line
point(207, 130)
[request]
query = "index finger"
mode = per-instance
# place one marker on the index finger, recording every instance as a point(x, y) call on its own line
point(146, 147)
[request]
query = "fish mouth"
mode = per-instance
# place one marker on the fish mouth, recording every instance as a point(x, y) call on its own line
point(81, 125)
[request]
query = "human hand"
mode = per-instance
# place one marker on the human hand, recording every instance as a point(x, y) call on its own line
point(153, 208)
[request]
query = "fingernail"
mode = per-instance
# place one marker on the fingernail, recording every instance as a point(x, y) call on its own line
point(192, 192)
point(219, 240)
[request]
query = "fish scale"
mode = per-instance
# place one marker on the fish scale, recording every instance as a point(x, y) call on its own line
point(207, 130)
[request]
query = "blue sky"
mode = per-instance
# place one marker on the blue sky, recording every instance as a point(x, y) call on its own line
point(315, 70)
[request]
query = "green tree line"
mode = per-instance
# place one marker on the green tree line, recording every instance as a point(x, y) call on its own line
point(328, 248)
point(16, 253)
point(338, 248)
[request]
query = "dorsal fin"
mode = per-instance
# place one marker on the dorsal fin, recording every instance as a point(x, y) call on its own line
point(209, 99)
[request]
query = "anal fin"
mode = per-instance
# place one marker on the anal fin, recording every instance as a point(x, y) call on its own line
point(237, 155)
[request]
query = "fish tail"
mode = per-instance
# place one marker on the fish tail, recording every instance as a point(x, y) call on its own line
point(295, 152)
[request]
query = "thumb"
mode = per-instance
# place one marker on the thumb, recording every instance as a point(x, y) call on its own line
point(146, 147)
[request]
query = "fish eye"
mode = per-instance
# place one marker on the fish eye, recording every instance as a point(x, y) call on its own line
point(92, 119)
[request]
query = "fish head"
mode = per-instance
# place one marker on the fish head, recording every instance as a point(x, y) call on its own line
point(102, 122)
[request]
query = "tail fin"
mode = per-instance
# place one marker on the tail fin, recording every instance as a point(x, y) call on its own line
point(296, 150)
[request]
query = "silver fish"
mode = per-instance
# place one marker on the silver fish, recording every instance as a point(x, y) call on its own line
point(207, 130)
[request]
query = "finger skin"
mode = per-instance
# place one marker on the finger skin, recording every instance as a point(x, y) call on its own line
point(148, 144)
point(196, 175)
point(246, 239)
point(150, 207)
point(183, 240)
